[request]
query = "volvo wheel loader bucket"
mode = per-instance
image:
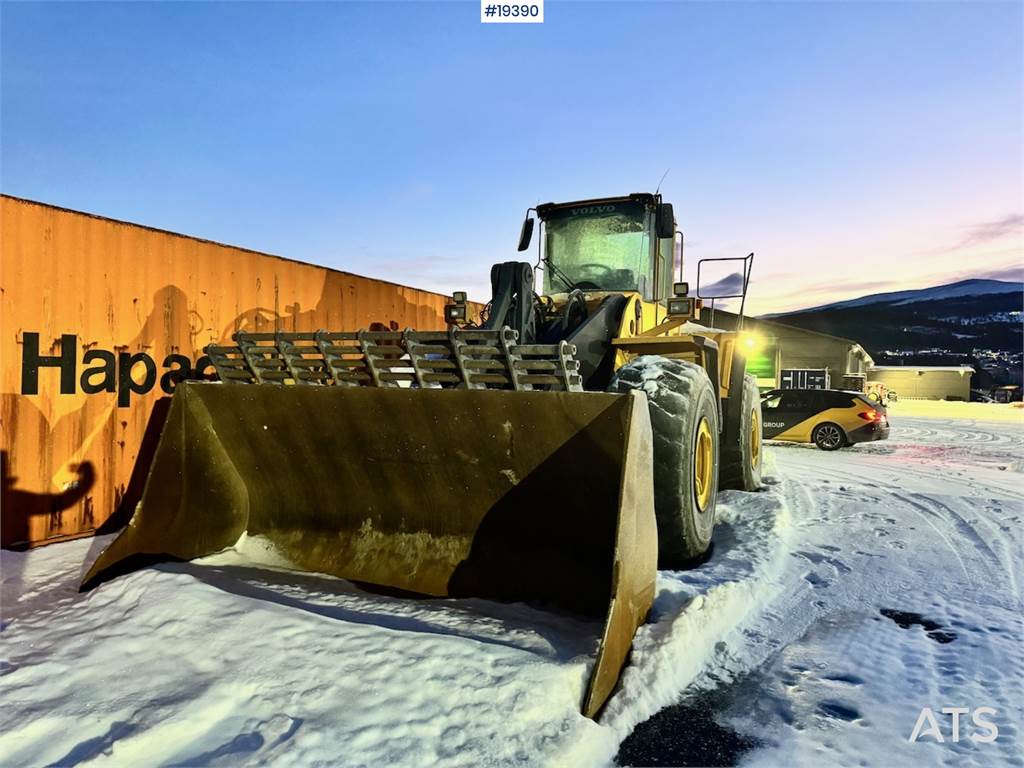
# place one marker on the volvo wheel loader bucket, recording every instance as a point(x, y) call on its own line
point(514, 496)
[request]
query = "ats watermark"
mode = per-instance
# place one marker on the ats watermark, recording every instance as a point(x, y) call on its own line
point(948, 726)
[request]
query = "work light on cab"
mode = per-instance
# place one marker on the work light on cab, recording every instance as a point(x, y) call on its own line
point(751, 342)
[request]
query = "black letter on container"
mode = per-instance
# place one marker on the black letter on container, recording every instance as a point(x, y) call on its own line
point(177, 375)
point(32, 361)
point(125, 384)
point(108, 370)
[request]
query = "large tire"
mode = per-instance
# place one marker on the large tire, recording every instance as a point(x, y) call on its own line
point(681, 400)
point(742, 452)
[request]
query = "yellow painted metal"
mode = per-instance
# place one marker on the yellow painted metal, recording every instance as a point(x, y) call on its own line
point(658, 345)
point(515, 496)
point(653, 313)
point(726, 347)
point(703, 465)
point(647, 329)
point(631, 325)
point(664, 327)
point(670, 337)
point(755, 439)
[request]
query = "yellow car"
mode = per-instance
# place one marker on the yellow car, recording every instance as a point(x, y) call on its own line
point(829, 418)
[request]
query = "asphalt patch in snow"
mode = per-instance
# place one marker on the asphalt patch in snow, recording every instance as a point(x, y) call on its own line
point(688, 734)
point(906, 620)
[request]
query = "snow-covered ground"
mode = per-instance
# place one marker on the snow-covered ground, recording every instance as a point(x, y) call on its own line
point(903, 591)
point(959, 411)
point(856, 589)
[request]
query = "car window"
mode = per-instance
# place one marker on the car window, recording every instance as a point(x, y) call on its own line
point(772, 402)
point(798, 400)
point(838, 399)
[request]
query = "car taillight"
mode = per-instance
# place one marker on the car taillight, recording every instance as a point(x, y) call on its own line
point(870, 415)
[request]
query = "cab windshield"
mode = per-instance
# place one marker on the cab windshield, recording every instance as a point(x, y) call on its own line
point(598, 247)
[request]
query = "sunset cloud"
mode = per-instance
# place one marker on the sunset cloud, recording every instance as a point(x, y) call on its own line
point(988, 231)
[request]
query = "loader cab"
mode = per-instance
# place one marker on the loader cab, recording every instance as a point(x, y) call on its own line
point(621, 244)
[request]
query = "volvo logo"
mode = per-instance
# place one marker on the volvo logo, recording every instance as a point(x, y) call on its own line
point(593, 209)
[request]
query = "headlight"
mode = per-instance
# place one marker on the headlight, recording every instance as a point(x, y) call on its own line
point(751, 342)
point(682, 306)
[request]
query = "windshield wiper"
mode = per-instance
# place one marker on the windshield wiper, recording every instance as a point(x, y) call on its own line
point(559, 273)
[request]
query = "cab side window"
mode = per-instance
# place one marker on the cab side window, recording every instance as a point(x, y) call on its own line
point(771, 403)
point(666, 250)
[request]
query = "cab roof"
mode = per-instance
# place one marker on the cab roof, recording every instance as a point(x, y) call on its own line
point(546, 209)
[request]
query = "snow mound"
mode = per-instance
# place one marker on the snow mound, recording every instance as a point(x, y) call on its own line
point(695, 611)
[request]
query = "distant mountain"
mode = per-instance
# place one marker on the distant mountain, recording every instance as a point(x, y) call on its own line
point(957, 318)
point(958, 289)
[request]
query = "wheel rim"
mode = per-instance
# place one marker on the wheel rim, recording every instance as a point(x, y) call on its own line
point(703, 464)
point(829, 436)
point(755, 439)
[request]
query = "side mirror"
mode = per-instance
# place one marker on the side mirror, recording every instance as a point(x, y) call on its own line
point(526, 233)
point(665, 221)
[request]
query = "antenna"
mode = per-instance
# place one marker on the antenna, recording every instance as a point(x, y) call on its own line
point(662, 179)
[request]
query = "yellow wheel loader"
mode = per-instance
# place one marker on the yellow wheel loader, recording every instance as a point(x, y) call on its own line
point(557, 452)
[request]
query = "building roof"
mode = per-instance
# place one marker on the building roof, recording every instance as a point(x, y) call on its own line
point(760, 321)
point(821, 334)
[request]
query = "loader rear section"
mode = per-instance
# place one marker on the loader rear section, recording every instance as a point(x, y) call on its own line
point(514, 496)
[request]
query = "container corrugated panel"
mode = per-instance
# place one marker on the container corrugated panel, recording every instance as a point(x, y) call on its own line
point(99, 319)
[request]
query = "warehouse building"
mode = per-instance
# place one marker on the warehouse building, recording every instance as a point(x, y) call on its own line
point(925, 382)
point(776, 353)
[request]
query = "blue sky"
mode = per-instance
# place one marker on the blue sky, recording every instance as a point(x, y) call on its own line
point(855, 147)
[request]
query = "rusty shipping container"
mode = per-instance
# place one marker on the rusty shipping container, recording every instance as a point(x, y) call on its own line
point(100, 318)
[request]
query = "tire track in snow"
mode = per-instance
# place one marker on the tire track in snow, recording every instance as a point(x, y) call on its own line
point(924, 513)
point(944, 477)
point(940, 509)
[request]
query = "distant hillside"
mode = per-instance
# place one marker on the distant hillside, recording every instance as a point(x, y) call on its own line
point(962, 288)
point(959, 317)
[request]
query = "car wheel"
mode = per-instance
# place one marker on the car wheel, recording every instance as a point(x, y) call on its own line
point(829, 436)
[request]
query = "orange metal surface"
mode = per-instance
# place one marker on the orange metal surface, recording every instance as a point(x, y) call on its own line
point(105, 306)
